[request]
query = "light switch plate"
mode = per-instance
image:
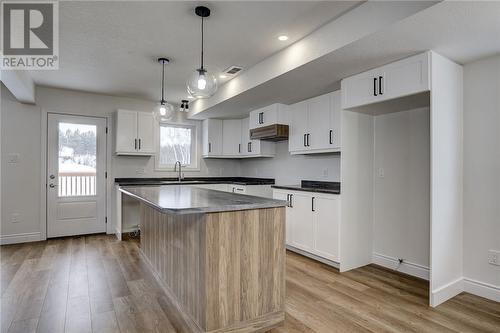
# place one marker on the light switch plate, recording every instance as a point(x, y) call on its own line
point(14, 218)
point(494, 257)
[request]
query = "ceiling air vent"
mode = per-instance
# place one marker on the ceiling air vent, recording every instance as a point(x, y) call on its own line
point(233, 70)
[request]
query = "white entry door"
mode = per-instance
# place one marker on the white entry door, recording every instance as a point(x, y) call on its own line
point(76, 166)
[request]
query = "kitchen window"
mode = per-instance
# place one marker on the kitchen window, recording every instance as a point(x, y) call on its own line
point(178, 142)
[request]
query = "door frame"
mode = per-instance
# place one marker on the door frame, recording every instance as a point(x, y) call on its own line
point(44, 159)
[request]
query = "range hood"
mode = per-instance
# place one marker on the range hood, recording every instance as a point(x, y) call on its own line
point(276, 132)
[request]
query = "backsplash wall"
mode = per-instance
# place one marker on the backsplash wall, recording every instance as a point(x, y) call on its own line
point(291, 169)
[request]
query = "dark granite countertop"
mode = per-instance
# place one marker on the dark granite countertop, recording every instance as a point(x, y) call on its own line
point(194, 180)
point(178, 199)
point(313, 186)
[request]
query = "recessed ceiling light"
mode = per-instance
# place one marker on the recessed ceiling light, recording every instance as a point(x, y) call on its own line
point(222, 76)
point(283, 38)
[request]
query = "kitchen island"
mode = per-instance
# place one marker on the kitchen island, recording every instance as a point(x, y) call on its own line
point(220, 257)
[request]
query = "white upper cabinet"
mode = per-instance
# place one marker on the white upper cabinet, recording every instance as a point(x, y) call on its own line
point(401, 78)
point(212, 137)
point(297, 128)
point(134, 133)
point(269, 115)
point(231, 137)
point(145, 132)
point(315, 125)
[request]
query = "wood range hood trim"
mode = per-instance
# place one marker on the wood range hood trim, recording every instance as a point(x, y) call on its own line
point(275, 132)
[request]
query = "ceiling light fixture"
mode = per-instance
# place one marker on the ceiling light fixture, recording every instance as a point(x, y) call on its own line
point(184, 106)
point(283, 38)
point(163, 111)
point(201, 83)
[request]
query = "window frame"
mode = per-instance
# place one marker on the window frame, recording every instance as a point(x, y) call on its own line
point(195, 146)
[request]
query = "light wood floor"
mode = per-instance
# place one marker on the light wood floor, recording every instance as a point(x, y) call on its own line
point(97, 284)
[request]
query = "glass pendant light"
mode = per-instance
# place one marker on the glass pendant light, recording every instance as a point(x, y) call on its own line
point(163, 111)
point(202, 84)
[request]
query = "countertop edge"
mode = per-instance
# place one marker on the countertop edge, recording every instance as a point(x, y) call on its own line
point(313, 190)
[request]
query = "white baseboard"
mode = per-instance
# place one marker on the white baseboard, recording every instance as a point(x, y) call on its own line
point(405, 267)
point(482, 289)
point(447, 291)
point(20, 238)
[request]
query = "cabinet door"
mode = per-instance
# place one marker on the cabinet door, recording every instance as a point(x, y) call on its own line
point(360, 89)
point(297, 127)
point(281, 195)
point(318, 124)
point(406, 77)
point(231, 137)
point(212, 137)
point(335, 109)
point(270, 115)
point(245, 137)
point(326, 217)
point(145, 132)
point(302, 223)
point(126, 132)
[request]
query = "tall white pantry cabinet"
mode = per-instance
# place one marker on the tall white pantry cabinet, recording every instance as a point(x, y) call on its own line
point(424, 80)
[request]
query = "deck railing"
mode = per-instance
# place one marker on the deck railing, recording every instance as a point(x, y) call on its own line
point(77, 184)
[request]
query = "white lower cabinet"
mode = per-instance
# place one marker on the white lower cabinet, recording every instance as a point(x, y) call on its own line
point(312, 222)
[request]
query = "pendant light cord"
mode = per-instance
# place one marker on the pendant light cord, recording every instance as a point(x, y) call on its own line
point(162, 82)
point(202, 43)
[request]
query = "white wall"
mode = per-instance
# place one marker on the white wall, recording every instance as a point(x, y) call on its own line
point(289, 169)
point(482, 169)
point(20, 184)
point(402, 186)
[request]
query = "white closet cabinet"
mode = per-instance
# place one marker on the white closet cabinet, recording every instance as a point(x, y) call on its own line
point(401, 78)
point(312, 222)
point(212, 137)
point(134, 133)
point(315, 125)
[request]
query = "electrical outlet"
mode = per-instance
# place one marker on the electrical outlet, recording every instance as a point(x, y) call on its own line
point(13, 158)
point(494, 257)
point(381, 173)
point(14, 218)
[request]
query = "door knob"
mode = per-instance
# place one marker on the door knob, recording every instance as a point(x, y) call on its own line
point(52, 185)
point(52, 176)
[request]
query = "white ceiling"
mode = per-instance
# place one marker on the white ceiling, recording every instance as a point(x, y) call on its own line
point(462, 31)
point(111, 47)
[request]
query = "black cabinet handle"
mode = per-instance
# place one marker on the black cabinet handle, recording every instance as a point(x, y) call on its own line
point(261, 117)
point(331, 138)
point(288, 199)
point(135, 144)
point(139, 144)
point(291, 201)
point(209, 147)
point(380, 91)
point(308, 136)
point(312, 204)
point(305, 135)
point(249, 147)
point(374, 86)
point(239, 147)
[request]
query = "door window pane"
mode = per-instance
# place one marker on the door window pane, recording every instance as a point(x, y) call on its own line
point(77, 160)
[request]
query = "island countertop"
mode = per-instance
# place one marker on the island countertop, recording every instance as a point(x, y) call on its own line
point(179, 199)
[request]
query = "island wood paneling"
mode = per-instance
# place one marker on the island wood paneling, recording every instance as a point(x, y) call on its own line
point(224, 271)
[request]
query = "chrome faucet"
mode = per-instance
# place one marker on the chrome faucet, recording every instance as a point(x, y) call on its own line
point(180, 169)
